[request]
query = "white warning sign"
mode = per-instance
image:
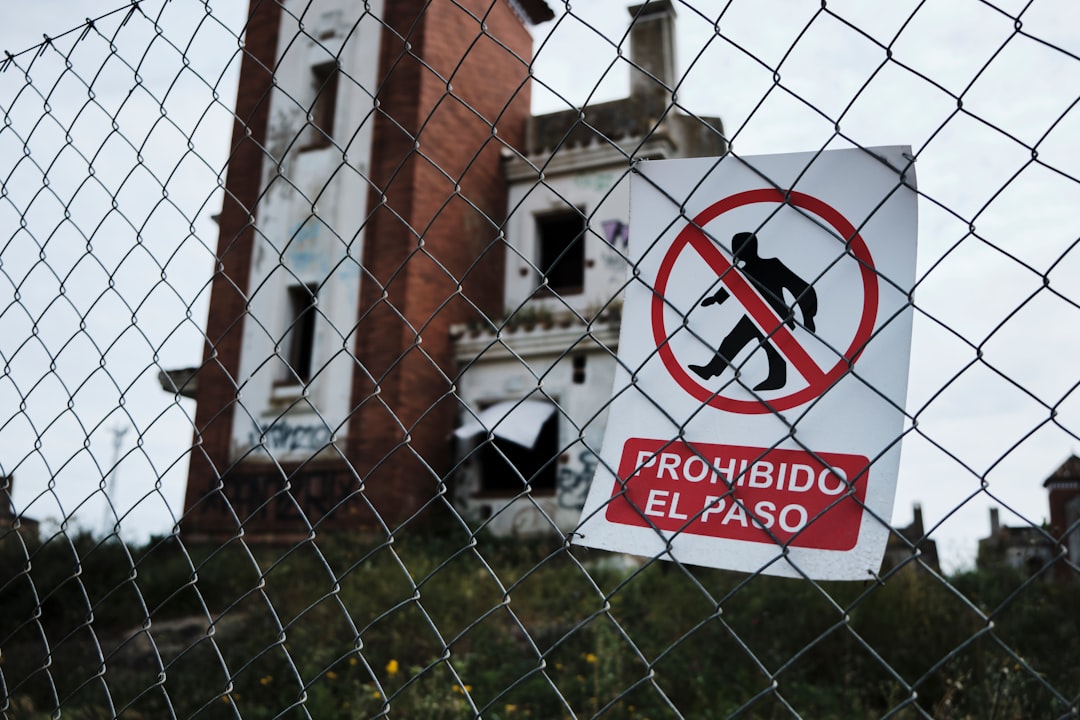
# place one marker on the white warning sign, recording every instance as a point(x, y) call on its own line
point(763, 361)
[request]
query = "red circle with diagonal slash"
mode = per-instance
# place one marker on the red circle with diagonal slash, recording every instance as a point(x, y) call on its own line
point(693, 236)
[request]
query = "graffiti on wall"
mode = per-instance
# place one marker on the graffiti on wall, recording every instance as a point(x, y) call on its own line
point(302, 251)
point(283, 436)
point(574, 479)
point(598, 182)
point(617, 233)
point(314, 251)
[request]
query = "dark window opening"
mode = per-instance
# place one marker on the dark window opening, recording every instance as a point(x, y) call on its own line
point(561, 258)
point(324, 106)
point(579, 370)
point(299, 342)
point(505, 467)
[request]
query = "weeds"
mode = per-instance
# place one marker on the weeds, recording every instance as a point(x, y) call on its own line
point(429, 627)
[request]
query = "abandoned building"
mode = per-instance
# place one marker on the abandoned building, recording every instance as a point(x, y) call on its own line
point(10, 517)
point(416, 297)
point(1029, 548)
point(911, 545)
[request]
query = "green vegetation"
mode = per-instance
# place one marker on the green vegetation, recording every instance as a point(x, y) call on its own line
point(432, 627)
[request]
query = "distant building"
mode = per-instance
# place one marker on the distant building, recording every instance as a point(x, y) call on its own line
point(1063, 487)
point(1030, 548)
point(1027, 548)
point(9, 518)
point(907, 541)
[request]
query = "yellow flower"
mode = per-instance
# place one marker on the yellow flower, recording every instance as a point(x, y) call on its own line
point(376, 694)
point(392, 667)
point(353, 661)
point(331, 675)
point(458, 689)
point(510, 708)
point(266, 680)
point(590, 658)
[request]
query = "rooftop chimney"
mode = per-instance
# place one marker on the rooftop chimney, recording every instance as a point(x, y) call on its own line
point(7, 494)
point(916, 520)
point(995, 522)
point(652, 48)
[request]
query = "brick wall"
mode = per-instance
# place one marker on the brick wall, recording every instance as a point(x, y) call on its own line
point(434, 233)
point(228, 301)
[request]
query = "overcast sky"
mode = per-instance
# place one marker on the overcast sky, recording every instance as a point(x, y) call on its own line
point(997, 265)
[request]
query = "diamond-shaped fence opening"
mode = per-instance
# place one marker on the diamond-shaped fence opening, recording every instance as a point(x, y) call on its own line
point(315, 317)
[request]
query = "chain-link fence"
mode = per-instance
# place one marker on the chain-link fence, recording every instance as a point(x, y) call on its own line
point(310, 320)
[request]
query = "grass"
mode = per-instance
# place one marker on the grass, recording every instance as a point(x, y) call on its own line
point(440, 626)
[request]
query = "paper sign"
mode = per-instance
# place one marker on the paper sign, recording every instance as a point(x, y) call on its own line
point(763, 361)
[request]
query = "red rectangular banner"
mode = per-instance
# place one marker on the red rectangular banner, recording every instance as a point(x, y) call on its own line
point(789, 497)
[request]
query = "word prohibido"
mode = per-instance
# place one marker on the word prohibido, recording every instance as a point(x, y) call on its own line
point(792, 477)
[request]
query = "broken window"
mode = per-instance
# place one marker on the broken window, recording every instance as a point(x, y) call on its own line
point(522, 447)
point(505, 466)
point(324, 105)
point(561, 256)
point(298, 344)
point(578, 375)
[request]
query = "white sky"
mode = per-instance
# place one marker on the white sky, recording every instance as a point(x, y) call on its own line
point(1006, 289)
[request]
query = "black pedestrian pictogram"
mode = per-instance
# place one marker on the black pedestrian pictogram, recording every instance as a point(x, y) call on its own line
point(770, 277)
point(764, 308)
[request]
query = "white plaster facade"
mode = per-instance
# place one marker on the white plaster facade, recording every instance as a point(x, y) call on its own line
point(536, 364)
point(549, 338)
point(560, 347)
point(600, 191)
point(310, 232)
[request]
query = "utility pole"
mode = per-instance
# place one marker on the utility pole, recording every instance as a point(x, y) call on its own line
point(109, 483)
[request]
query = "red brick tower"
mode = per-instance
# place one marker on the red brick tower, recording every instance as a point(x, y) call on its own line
point(1063, 487)
point(362, 216)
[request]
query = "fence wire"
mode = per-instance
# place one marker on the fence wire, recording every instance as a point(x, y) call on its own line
point(309, 321)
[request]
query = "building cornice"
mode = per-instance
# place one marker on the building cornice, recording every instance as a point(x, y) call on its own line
point(574, 160)
point(472, 346)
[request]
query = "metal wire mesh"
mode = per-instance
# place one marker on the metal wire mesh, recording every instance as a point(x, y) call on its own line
point(309, 317)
